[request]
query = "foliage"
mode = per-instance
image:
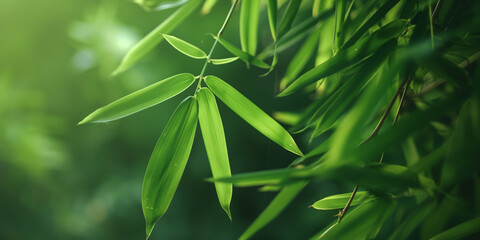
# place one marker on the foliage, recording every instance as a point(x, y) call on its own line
point(398, 77)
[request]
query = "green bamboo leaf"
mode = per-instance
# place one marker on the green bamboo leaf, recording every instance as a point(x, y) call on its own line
point(272, 18)
point(223, 60)
point(340, 200)
point(350, 90)
point(460, 231)
point(349, 56)
point(360, 222)
point(185, 47)
point(278, 204)
point(141, 99)
point(374, 19)
point(207, 6)
point(340, 11)
point(168, 162)
point(300, 60)
point(215, 144)
point(249, 14)
point(288, 18)
point(243, 55)
point(252, 114)
point(410, 223)
point(156, 36)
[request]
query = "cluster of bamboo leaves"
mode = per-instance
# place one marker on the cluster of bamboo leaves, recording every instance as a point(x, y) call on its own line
point(385, 74)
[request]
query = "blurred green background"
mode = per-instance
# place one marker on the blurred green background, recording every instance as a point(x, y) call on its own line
point(62, 181)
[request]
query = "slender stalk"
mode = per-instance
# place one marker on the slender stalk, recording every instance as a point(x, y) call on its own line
point(207, 61)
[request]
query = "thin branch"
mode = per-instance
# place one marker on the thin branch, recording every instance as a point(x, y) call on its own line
point(207, 61)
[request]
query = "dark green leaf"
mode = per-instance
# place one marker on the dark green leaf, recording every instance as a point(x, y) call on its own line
point(185, 47)
point(156, 36)
point(460, 231)
point(288, 18)
point(347, 57)
point(252, 114)
point(215, 144)
point(168, 161)
point(340, 200)
point(410, 223)
point(141, 99)
point(280, 202)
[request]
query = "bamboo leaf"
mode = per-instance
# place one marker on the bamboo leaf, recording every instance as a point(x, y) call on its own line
point(279, 203)
point(300, 60)
point(249, 14)
point(358, 223)
point(340, 200)
point(223, 60)
point(288, 18)
point(145, 45)
point(215, 144)
point(243, 55)
point(168, 162)
point(413, 220)
point(460, 231)
point(272, 18)
point(252, 114)
point(185, 47)
point(349, 56)
point(141, 99)
point(374, 19)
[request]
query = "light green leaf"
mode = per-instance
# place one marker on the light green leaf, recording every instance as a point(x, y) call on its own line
point(349, 56)
point(252, 114)
point(243, 55)
point(207, 6)
point(215, 144)
point(340, 200)
point(278, 204)
point(156, 36)
point(460, 231)
point(185, 47)
point(223, 60)
point(168, 162)
point(141, 99)
point(358, 223)
point(288, 18)
point(272, 18)
point(249, 14)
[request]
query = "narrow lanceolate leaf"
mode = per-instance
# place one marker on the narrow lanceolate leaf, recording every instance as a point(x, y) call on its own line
point(349, 56)
point(156, 36)
point(300, 59)
point(460, 231)
point(288, 18)
point(279, 203)
point(215, 144)
point(272, 18)
point(185, 47)
point(141, 99)
point(243, 55)
point(340, 200)
point(359, 223)
point(252, 114)
point(167, 162)
point(249, 14)
point(223, 60)
point(374, 19)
